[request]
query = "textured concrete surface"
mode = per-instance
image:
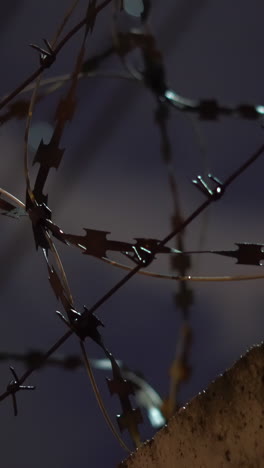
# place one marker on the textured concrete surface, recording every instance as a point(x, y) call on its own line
point(221, 427)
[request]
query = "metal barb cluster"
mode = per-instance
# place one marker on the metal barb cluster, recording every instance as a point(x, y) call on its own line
point(47, 56)
point(14, 386)
point(130, 418)
point(214, 194)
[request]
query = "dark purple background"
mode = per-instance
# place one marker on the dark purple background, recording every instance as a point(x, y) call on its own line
point(112, 178)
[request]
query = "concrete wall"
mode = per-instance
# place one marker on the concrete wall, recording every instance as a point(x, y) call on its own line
point(221, 427)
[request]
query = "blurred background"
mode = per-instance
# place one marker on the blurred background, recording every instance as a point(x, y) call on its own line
point(112, 178)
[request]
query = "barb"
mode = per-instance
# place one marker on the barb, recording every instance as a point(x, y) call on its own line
point(57, 49)
point(145, 395)
point(13, 387)
point(246, 254)
point(99, 399)
point(47, 56)
point(130, 418)
point(215, 193)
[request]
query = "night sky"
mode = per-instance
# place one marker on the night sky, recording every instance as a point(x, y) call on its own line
point(112, 178)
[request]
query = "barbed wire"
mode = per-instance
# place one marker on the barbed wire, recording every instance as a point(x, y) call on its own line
point(142, 253)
